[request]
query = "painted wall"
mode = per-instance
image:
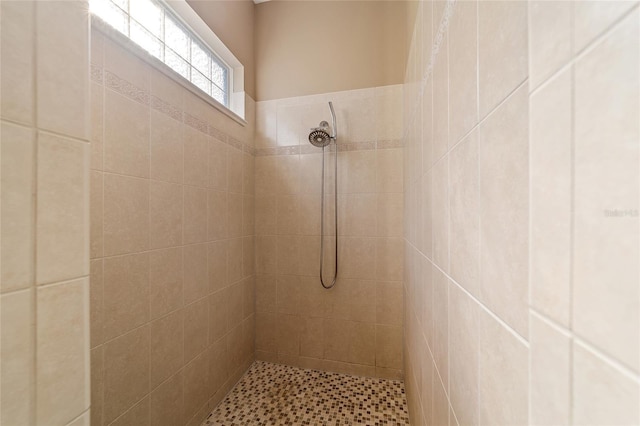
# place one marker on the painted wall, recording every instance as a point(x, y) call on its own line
point(233, 21)
point(522, 142)
point(45, 132)
point(172, 263)
point(313, 47)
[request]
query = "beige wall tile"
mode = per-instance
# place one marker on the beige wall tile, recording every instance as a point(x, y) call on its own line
point(96, 214)
point(195, 215)
point(440, 213)
point(266, 255)
point(266, 293)
point(549, 380)
point(441, 102)
point(440, 315)
point(357, 258)
point(165, 281)
point(218, 219)
point(602, 393)
point(196, 328)
point(234, 215)
point(591, 19)
point(196, 278)
point(358, 172)
point(389, 208)
point(196, 157)
point(62, 228)
point(248, 215)
point(96, 294)
point(218, 175)
point(18, 203)
point(126, 65)
point(503, 384)
point(463, 70)
point(311, 344)
point(550, 38)
point(463, 350)
point(389, 255)
point(83, 420)
point(17, 69)
point(167, 402)
point(126, 136)
point(389, 346)
point(136, 415)
point(165, 219)
point(235, 304)
point(504, 211)
point(166, 142)
point(62, 55)
point(234, 260)
point(464, 199)
point(606, 292)
point(97, 125)
point(234, 170)
point(126, 372)
point(218, 275)
point(356, 215)
point(218, 365)
point(551, 180)
point(126, 293)
point(97, 385)
point(311, 172)
point(248, 256)
point(389, 302)
point(388, 170)
point(441, 412)
point(63, 351)
point(266, 332)
point(502, 51)
point(218, 315)
point(166, 344)
point(17, 356)
point(126, 214)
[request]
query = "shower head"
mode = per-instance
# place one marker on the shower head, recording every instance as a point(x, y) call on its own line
point(319, 137)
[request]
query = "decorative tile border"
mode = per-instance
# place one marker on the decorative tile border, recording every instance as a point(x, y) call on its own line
point(310, 149)
point(131, 91)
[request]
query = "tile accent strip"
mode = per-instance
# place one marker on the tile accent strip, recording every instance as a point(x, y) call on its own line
point(131, 91)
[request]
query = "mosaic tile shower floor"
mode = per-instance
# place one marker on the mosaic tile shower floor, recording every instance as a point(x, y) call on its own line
point(272, 394)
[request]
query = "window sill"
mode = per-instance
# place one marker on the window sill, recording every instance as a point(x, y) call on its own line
point(126, 43)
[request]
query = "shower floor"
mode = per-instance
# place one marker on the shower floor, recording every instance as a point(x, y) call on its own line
point(273, 394)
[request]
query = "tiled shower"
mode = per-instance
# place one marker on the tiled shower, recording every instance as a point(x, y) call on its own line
point(157, 249)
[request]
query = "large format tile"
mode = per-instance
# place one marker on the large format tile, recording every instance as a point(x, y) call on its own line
point(504, 223)
point(16, 356)
point(606, 294)
point(126, 214)
point(62, 55)
point(502, 50)
point(18, 206)
point(551, 180)
point(63, 351)
point(62, 228)
point(17, 68)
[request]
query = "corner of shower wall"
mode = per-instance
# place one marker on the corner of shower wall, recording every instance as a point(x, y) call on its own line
point(356, 327)
point(44, 207)
point(513, 267)
point(172, 242)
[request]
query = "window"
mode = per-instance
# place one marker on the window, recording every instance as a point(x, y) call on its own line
point(152, 25)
